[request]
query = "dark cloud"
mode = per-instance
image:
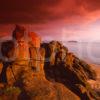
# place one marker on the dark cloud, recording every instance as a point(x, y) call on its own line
point(91, 5)
point(42, 11)
point(24, 11)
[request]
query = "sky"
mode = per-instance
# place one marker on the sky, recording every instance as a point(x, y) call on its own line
point(62, 20)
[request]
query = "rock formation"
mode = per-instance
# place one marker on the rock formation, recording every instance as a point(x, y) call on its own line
point(68, 70)
point(53, 74)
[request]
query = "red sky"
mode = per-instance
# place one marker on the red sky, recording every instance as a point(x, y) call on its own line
point(53, 19)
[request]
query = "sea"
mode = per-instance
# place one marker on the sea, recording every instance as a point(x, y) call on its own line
point(87, 51)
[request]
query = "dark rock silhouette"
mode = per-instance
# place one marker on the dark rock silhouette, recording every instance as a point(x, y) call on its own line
point(7, 50)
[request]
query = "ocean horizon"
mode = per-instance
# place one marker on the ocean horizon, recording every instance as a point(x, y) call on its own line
point(87, 51)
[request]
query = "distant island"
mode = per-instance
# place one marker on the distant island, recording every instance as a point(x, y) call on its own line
point(73, 41)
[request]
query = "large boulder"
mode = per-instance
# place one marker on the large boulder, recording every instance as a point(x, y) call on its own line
point(27, 69)
point(69, 70)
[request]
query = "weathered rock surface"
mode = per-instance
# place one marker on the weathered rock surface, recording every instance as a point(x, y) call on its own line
point(69, 70)
point(58, 75)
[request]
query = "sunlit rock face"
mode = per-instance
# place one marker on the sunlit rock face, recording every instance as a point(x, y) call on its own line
point(52, 73)
point(33, 83)
point(35, 39)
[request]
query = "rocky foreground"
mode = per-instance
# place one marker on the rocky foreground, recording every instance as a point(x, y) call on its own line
point(59, 75)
